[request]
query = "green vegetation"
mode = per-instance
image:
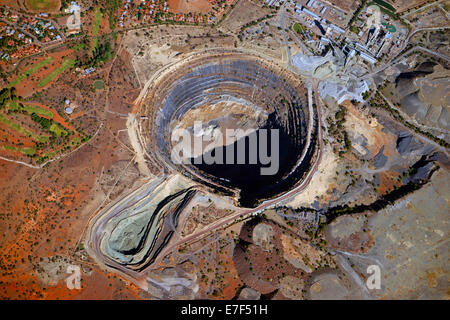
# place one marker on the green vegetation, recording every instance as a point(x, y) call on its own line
point(44, 122)
point(96, 28)
point(385, 8)
point(65, 4)
point(27, 151)
point(48, 155)
point(19, 107)
point(13, 105)
point(389, 13)
point(15, 126)
point(102, 53)
point(255, 22)
point(366, 94)
point(391, 28)
point(79, 47)
point(111, 7)
point(97, 20)
point(9, 101)
point(45, 118)
point(337, 130)
point(357, 12)
point(99, 84)
point(385, 5)
point(38, 110)
point(298, 28)
point(67, 63)
point(57, 130)
point(49, 125)
point(7, 95)
point(30, 71)
point(76, 141)
point(73, 143)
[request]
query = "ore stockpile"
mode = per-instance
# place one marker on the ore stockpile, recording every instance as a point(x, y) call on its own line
point(240, 77)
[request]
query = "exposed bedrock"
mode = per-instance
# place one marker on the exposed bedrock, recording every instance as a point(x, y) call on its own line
point(231, 91)
point(422, 94)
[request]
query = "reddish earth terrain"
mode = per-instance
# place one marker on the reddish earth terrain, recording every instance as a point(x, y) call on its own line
point(44, 211)
point(29, 85)
point(43, 217)
point(184, 6)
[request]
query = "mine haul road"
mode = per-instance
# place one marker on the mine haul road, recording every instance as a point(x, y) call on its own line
point(139, 277)
point(267, 204)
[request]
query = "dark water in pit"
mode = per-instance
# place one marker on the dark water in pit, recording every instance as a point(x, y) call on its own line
point(247, 177)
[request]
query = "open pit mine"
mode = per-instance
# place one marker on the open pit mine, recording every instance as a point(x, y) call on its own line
point(220, 90)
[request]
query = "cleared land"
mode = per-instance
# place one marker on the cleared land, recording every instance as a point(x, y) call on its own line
point(21, 130)
point(346, 5)
point(187, 6)
point(30, 71)
point(43, 5)
point(68, 63)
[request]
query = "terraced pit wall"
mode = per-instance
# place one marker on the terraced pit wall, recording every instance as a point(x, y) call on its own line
point(224, 77)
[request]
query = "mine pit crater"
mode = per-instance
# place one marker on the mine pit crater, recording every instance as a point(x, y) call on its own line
point(230, 90)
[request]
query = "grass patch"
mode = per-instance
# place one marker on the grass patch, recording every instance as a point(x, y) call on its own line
point(23, 131)
point(43, 5)
point(30, 71)
point(111, 9)
point(57, 130)
point(96, 28)
point(97, 20)
point(39, 111)
point(391, 28)
point(14, 106)
point(75, 141)
point(48, 155)
point(299, 28)
point(27, 151)
point(79, 47)
point(99, 84)
point(67, 63)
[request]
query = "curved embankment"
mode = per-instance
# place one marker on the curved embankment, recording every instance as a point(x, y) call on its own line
point(135, 228)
